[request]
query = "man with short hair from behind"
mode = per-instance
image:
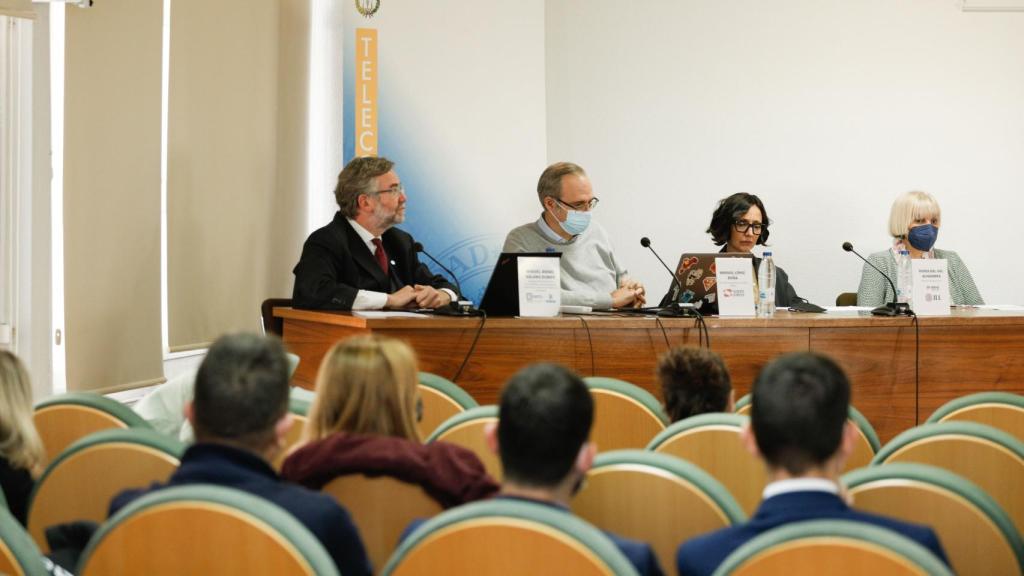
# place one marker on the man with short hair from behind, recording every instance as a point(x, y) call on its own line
point(240, 416)
point(543, 424)
point(694, 381)
point(799, 427)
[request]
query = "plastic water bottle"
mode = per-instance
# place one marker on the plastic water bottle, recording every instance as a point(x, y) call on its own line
point(766, 286)
point(904, 277)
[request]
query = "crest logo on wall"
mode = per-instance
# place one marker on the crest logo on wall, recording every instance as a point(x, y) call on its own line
point(367, 7)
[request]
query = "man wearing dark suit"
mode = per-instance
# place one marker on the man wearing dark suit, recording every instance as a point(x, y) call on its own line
point(360, 261)
point(799, 427)
point(240, 416)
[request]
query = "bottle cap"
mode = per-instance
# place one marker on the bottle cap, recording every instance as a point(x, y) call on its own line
point(767, 253)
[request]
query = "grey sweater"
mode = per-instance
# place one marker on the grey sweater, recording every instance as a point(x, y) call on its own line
point(589, 273)
point(875, 290)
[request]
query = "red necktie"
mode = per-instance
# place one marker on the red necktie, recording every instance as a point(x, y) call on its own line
point(382, 256)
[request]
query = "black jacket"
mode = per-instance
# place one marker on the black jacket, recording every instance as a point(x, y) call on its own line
point(335, 265)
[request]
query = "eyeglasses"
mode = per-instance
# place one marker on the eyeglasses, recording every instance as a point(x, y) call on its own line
point(397, 189)
point(742, 226)
point(580, 206)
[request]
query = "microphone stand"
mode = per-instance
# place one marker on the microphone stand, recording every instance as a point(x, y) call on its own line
point(894, 308)
point(453, 308)
point(675, 309)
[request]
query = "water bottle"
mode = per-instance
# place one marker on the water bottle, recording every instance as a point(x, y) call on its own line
point(766, 286)
point(904, 277)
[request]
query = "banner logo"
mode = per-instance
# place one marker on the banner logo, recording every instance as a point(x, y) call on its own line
point(366, 92)
point(368, 7)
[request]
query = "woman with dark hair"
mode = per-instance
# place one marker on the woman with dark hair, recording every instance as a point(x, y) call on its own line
point(739, 223)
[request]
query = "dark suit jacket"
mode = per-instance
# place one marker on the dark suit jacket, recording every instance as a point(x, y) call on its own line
point(639, 554)
point(703, 554)
point(335, 265)
point(235, 468)
point(17, 486)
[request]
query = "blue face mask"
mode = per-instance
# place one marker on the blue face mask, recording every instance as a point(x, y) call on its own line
point(576, 222)
point(923, 237)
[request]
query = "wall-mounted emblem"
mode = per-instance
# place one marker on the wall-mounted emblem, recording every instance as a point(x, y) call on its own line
point(367, 7)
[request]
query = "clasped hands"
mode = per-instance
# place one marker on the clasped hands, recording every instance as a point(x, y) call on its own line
point(631, 294)
point(418, 296)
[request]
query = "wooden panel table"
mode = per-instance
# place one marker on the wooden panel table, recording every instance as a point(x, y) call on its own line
point(969, 351)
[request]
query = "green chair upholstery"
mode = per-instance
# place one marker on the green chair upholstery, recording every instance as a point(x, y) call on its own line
point(625, 415)
point(713, 442)
point(654, 498)
point(977, 534)
point(834, 547)
point(1000, 410)
point(743, 405)
point(299, 406)
point(18, 554)
point(507, 537)
point(204, 529)
point(466, 429)
point(441, 400)
point(63, 419)
point(3, 502)
point(293, 363)
point(990, 458)
point(80, 483)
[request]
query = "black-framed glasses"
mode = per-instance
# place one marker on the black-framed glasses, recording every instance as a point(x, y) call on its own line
point(742, 226)
point(580, 206)
point(397, 189)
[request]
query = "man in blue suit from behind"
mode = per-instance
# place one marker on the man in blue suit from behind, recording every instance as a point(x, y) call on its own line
point(799, 427)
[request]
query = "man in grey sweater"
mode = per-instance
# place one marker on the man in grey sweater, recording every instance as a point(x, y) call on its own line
point(591, 276)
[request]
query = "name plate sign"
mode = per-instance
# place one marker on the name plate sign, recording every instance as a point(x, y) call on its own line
point(540, 286)
point(735, 286)
point(931, 287)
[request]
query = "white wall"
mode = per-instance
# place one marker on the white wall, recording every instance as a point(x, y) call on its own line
point(825, 109)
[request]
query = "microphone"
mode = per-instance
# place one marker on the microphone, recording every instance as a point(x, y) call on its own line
point(893, 308)
point(675, 308)
point(456, 308)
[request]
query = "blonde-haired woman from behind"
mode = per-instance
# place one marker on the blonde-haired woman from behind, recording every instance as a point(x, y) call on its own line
point(21, 450)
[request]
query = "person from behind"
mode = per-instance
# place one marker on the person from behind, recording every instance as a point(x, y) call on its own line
point(544, 421)
point(590, 273)
point(914, 222)
point(799, 428)
point(363, 421)
point(694, 381)
point(21, 450)
point(240, 416)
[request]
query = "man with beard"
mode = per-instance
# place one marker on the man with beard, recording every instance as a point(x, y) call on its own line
point(360, 261)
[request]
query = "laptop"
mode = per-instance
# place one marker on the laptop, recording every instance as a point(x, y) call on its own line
point(698, 278)
point(501, 298)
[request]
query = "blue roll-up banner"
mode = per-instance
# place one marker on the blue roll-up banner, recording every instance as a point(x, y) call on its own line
point(453, 92)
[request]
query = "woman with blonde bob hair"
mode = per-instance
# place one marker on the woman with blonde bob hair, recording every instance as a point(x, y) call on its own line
point(914, 226)
point(21, 450)
point(363, 421)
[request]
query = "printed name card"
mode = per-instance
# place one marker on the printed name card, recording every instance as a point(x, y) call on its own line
point(931, 287)
point(540, 286)
point(735, 286)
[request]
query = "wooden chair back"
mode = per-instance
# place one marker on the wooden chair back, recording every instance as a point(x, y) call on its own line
point(204, 529)
point(978, 536)
point(654, 498)
point(62, 420)
point(713, 442)
point(988, 457)
point(381, 507)
point(466, 429)
point(441, 400)
point(81, 482)
point(625, 415)
point(1000, 410)
point(500, 537)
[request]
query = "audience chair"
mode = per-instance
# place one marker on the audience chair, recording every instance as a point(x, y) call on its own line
point(713, 442)
point(467, 430)
point(833, 547)
point(846, 299)
point(990, 458)
point(867, 440)
point(204, 529)
point(80, 483)
point(271, 324)
point(625, 415)
point(978, 536)
point(442, 399)
point(654, 498)
point(500, 537)
point(381, 507)
point(19, 556)
point(63, 419)
point(1000, 410)
point(299, 409)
